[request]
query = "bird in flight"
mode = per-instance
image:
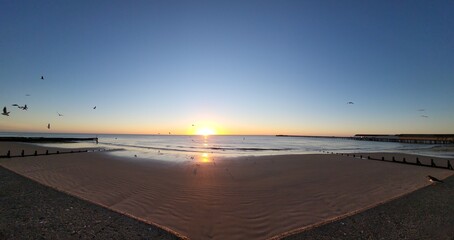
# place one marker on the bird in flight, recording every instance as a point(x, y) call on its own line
point(27, 95)
point(48, 126)
point(42, 77)
point(94, 107)
point(59, 114)
point(421, 110)
point(433, 179)
point(25, 107)
point(5, 112)
point(424, 116)
point(350, 103)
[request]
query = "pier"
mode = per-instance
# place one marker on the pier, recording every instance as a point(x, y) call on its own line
point(400, 138)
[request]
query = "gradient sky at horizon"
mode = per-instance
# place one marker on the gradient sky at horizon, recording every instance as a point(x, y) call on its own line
point(240, 67)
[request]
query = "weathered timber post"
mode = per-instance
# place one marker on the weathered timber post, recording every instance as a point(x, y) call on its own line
point(22, 153)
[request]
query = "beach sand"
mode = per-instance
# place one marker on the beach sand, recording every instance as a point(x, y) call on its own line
point(242, 198)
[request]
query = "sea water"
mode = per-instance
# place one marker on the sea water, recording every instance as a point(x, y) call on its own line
point(187, 147)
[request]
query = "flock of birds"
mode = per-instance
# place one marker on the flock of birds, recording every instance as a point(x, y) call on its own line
point(25, 108)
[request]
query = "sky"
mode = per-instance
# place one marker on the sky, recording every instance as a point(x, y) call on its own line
point(231, 67)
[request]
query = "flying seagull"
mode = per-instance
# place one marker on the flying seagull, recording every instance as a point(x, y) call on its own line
point(5, 112)
point(48, 126)
point(94, 107)
point(433, 179)
point(59, 114)
point(27, 95)
point(42, 77)
point(350, 103)
point(20, 107)
point(421, 110)
point(424, 116)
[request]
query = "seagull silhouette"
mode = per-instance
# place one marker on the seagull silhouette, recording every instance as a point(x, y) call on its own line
point(433, 179)
point(42, 77)
point(350, 103)
point(424, 116)
point(25, 107)
point(59, 114)
point(421, 110)
point(5, 112)
point(94, 107)
point(27, 95)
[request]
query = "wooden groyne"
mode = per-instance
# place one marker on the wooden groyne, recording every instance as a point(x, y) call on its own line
point(56, 152)
point(46, 139)
point(416, 161)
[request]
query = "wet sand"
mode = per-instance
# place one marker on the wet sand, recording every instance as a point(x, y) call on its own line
point(243, 198)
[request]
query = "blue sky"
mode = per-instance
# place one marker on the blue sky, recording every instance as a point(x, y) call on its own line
point(239, 67)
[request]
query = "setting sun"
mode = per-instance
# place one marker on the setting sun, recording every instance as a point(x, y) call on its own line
point(205, 131)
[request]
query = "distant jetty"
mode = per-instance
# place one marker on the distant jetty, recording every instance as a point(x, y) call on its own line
point(400, 138)
point(45, 139)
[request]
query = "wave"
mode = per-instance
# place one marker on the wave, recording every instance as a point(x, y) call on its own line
point(203, 149)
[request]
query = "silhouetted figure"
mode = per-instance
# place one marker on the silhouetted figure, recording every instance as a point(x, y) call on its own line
point(5, 112)
point(48, 126)
point(433, 179)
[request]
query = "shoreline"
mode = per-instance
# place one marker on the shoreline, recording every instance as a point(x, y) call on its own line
point(214, 192)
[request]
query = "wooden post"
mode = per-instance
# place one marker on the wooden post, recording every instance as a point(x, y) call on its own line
point(47, 152)
point(58, 152)
point(8, 154)
point(404, 161)
point(22, 153)
point(368, 157)
point(361, 156)
point(36, 153)
point(394, 159)
point(432, 163)
point(354, 155)
point(449, 165)
point(383, 158)
point(417, 161)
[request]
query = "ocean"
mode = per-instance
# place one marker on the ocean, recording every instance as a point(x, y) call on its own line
point(186, 147)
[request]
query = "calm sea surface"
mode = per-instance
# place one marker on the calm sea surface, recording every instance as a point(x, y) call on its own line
point(181, 148)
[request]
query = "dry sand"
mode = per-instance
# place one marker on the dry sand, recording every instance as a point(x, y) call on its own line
point(243, 198)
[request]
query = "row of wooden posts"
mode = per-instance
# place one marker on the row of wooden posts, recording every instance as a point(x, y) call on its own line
point(8, 155)
point(404, 161)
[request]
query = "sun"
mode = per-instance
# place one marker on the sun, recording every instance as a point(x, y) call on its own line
point(205, 131)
